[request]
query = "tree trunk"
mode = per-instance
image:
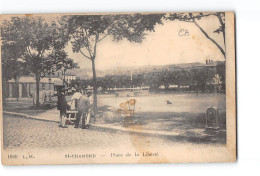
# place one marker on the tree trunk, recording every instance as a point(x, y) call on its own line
point(203, 87)
point(64, 81)
point(17, 93)
point(94, 87)
point(4, 88)
point(37, 102)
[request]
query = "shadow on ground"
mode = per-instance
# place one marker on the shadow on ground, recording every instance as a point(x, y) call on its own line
point(185, 126)
point(26, 107)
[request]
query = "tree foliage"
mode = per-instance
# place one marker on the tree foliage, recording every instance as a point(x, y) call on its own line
point(86, 31)
point(195, 79)
point(38, 44)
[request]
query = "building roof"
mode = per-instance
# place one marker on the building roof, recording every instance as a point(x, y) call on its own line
point(57, 82)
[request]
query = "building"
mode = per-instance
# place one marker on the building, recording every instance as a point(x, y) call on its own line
point(25, 86)
point(69, 78)
point(213, 64)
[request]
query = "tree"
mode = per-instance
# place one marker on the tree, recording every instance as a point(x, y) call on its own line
point(194, 17)
point(221, 70)
point(66, 64)
point(75, 83)
point(176, 77)
point(153, 80)
point(79, 83)
point(183, 77)
point(40, 45)
point(217, 82)
point(165, 78)
point(202, 76)
point(87, 31)
point(110, 81)
point(138, 79)
point(11, 66)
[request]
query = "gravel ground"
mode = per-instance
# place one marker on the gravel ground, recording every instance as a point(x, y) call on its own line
point(30, 133)
point(27, 134)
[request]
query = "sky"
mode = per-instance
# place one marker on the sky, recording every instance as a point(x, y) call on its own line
point(162, 47)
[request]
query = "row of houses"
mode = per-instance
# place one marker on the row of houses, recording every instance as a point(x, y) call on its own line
point(25, 86)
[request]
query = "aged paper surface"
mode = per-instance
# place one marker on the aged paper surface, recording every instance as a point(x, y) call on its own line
point(118, 88)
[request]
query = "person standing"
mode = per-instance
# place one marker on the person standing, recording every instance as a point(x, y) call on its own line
point(74, 100)
point(62, 106)
point(83, 110)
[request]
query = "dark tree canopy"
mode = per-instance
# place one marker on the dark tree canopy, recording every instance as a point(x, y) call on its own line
point(37, 44)
point(88, 30)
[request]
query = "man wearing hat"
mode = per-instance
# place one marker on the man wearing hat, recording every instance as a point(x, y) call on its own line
point(62, 106)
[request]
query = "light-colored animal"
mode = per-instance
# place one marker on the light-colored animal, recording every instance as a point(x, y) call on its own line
point(127, 108)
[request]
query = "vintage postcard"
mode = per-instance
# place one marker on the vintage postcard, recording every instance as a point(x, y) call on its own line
point(118, 88)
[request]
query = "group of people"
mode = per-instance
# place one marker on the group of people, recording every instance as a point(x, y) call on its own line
point(80, 102)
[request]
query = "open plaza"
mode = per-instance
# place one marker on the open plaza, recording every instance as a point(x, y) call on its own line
point(183, 120)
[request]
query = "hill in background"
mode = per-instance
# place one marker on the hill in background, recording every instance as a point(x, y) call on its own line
point(86, 73)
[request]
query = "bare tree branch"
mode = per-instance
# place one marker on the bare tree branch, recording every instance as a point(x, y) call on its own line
point(223, 26)
point(204, 32)
point(95, 46)
point(84, 54)
point(89, 57)
point(88, 44)
point(192, 19)
point(102, 38)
